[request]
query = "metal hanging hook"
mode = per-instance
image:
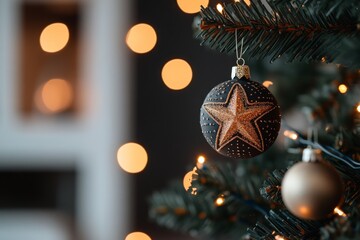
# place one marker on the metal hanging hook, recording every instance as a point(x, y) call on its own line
point(240, 70)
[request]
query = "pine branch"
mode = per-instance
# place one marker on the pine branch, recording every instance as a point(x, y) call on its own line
point(338, 7)
point(323, 102)
point(241, 180)
point(283, 224)
point(197, 214)
point(285, 30)
point(271, 189)
point(176, 209)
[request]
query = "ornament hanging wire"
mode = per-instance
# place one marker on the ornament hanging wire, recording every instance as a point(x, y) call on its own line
point(313, 135)
point(239, 57)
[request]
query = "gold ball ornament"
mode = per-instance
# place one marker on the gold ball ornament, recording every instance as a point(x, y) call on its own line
point(312, 190)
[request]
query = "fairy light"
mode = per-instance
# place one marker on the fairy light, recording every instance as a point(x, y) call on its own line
point(177, 74)
point(200, 161)
point(54, 37)
point(267, 83)
point(187, 180)
point(220, 8)
point(137, 236)
point(342, 88)
point(291, 134)
point(358, 108)
point(339, 212)
point(220, 200)
point(278, 237)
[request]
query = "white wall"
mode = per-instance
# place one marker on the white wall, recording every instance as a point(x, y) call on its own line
point(89, 142)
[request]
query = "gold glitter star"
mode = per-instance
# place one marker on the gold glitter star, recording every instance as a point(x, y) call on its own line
point(237, 118)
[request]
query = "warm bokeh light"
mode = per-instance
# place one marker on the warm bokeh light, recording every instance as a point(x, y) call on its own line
point(220, 201)
point(54, 37)
point(141, 38)
point(342, 88)
point(267, 83)
point(339, 212)
point(188, 179)
point(358, 108)
point(200, 162)
point(248, 2)
point(304, 210)
point(176, 74)
point(201, 159)
point(278, 237)
point(137, 236)
point(192, 6)
point(54, 96)
point(219, 7)
point(132, 157)
point(290, 134)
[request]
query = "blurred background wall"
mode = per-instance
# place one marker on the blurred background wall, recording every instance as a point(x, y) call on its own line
point(64, 111)
point(99, 108)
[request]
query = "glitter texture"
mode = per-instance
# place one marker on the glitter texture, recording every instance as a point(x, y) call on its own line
point(236, 116)
point(240, 118)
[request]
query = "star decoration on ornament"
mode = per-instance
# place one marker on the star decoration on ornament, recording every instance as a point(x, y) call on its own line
point(237, 118)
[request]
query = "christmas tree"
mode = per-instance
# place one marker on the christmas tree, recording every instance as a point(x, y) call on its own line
point(245, 199)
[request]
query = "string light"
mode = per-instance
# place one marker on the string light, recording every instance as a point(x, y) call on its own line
point(200, 162)
point(54, 37)
point(191, 6)
point(220, 8)
point(141, 38)
point(132, 157)
point(220, 200)
point(278, 237)
point(177, 74)
point(267, 83)
point(248, 2)
point(137, 236)
point(188, 179)
point(291, 134)
point(358, 108)
point(342, 88)
point(339, 212)
point(54, 96)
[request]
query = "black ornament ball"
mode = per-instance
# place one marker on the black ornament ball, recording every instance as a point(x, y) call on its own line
point(240, 118)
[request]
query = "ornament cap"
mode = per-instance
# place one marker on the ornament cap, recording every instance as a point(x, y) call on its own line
point(311, 155)
point(240, 71)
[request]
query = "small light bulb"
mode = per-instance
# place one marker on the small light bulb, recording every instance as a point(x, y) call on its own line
point(339, 212)
point(220, 8)
point(200, 162)
point(342, 88)
point(291, 134)
point(358, 108)
point(201, 159)
point(278, 237)
point(220, 200)
point(267, 83)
